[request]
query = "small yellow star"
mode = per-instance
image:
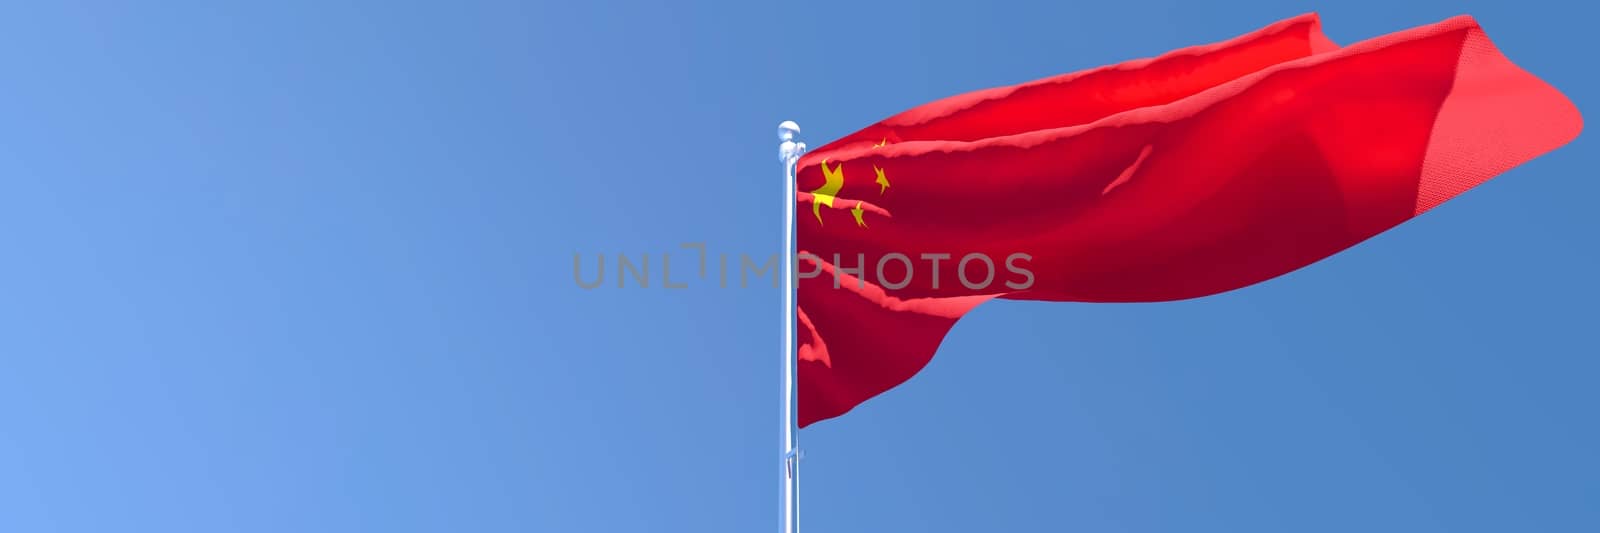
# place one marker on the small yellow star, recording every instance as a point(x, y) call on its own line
point(881, 143)
point(882, 181)
point(857, 212)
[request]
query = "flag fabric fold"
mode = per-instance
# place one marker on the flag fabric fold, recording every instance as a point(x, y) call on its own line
point(1197, 172)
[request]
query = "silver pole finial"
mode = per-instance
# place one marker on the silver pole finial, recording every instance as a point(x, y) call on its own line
point(789, 148)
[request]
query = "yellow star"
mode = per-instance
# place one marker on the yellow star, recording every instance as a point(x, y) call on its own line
point(881, 143)
point(832, 181)
point(857, 212)
point(882, 181)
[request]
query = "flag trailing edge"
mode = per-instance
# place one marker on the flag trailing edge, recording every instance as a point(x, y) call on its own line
point(1196, 172)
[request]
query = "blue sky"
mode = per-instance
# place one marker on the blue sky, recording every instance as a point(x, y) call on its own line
point(304, 266)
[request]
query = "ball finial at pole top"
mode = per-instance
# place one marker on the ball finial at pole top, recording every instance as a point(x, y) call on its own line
point(789, 149)
point(787, 130)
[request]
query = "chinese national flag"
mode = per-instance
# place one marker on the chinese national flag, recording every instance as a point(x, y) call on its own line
point(1197, 172)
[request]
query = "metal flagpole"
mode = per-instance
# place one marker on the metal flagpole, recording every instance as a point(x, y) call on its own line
point(789, 151)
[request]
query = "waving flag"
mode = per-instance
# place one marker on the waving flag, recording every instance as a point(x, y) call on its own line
point(1197, 172)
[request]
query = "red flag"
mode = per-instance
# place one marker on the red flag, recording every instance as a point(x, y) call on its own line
point(1197, 172)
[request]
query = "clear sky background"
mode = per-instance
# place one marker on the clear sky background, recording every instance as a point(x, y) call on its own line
point(306, 266)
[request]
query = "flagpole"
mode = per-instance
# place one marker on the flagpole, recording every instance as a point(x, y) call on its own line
point(789, 151)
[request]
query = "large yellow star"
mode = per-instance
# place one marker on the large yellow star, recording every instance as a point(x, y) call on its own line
point(882, 181)
point(832, 181)
point(857, 212)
